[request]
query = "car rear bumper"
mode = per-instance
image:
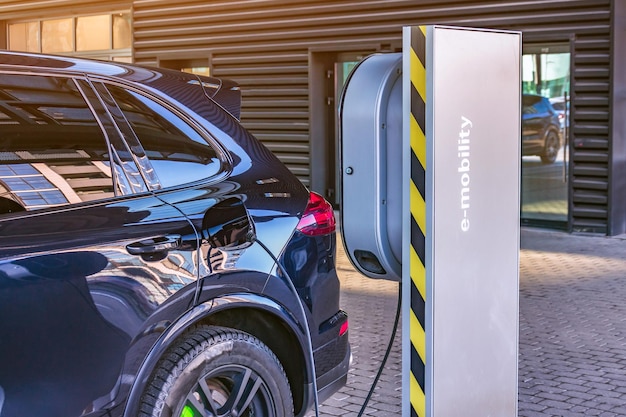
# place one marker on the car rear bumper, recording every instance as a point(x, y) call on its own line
point(333, 380)
point(330, 382)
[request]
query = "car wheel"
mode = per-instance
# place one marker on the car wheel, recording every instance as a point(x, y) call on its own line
point(551, 148)
point(214, 371)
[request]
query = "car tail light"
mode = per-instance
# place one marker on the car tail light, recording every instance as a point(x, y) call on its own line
point(344, 328)
point(318, 217)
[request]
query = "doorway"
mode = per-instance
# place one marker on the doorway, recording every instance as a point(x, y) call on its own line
point(545, 134)
point(328, 74)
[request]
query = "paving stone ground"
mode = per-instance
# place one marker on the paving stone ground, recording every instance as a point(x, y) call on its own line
point(572, 342)
point(572, 325)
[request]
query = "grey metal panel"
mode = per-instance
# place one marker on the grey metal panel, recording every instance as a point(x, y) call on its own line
point(473, 135)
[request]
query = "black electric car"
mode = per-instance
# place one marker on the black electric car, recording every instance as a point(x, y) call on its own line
point(155, 258)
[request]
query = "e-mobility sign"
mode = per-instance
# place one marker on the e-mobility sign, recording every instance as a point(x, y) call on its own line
point(430, 196)
point(464, 170)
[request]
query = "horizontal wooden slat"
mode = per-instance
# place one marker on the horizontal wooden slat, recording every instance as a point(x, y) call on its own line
point(592, 114)
point(263, 114)
point(583, 156)
point(589, 197)
point(590, 129)
point(591, 170)
point(590, 184)
point(591, 143)
point(588, 211)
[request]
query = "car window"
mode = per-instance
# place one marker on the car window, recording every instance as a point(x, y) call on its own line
point(52, 150)
point(528, 104)
point(176, 151)
point(535, 105)
point(558, 105)
point(541, 107)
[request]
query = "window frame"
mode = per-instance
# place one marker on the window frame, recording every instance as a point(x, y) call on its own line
point(187, 116)
point(90, 96)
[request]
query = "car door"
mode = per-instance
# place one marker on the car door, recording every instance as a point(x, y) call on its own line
point(93, 266)
point(192, 172)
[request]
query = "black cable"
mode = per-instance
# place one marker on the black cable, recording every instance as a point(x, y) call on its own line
point(252, 238)
point(389, 346)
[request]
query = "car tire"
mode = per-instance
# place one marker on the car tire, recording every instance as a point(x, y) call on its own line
point(215, 371)
point(551, 148)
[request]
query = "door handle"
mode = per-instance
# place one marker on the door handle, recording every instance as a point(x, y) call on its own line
point(154, 245)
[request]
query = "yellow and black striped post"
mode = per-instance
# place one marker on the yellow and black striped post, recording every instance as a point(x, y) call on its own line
point(417, 196)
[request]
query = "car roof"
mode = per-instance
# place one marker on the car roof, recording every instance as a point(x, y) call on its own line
point(172, 82)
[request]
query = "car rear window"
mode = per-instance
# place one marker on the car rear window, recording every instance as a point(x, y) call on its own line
point(534, 105)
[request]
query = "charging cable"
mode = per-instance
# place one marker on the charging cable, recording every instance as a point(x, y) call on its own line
point(382, 365)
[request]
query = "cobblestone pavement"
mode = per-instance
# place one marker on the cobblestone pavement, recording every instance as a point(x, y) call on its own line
point(572, 331)
point(572, 325)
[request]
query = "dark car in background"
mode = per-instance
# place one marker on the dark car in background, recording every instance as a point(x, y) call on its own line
point(155, 258)
point(541, 128)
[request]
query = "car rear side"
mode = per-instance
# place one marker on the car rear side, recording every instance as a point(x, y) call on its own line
point(145, 235)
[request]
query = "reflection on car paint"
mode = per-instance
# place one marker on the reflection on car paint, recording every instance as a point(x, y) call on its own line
point(116, 239)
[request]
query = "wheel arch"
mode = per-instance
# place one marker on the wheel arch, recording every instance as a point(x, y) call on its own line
point(553, 129)
point(262, 317)
point(278, 335)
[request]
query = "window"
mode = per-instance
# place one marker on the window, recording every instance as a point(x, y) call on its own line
point(52, 150)
point(176, 151)
point(122, 32)
point(86, 29)
point(24, 37)
point(103, 36)
point(57, 36)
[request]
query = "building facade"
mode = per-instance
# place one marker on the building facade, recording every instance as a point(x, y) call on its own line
point(291, 59)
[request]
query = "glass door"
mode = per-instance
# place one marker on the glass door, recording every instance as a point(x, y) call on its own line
point(545, 133)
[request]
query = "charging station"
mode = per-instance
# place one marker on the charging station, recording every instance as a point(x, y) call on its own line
point(430, 151)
